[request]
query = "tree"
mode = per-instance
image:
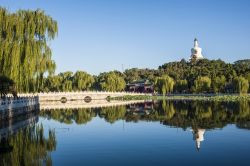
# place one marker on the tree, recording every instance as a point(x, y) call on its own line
point(202, 84)
point(242, 66)
point(24, 52)
point(164, 84)
point(181, 86)
point(111, 82)
point(6, 86)
point(67, 86)
point(136, 74)
point(241, 85)
point(82, 81)
point(53, 83)
point(66, 81)
point(218, 84)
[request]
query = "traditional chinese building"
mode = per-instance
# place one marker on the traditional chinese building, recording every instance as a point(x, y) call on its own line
point(141, 86)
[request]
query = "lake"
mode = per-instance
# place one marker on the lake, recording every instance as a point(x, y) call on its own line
point(150, 133)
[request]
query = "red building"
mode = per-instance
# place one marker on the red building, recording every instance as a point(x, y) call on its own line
point(141, 86)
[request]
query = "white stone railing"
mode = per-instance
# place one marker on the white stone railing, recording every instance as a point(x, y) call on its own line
point(76, 92)
point(10, 103)
point(90, 92)
point(29, 99)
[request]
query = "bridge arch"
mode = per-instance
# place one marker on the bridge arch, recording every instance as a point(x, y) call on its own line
point(87, 99)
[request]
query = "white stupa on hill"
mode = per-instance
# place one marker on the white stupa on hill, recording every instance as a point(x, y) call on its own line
point(196, 51)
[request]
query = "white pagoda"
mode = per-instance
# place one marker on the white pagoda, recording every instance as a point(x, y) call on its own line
point(196, 51)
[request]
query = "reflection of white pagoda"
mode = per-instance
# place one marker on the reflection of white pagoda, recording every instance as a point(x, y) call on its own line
point(196, 51)
point(198, 136)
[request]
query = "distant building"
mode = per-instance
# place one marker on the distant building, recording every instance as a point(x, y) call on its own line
point(141, 86)
point(196, 51)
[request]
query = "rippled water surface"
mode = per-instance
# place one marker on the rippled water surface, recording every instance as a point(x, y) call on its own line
point(152, 133)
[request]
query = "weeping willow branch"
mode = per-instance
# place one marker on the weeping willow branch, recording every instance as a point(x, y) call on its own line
point(24, 52)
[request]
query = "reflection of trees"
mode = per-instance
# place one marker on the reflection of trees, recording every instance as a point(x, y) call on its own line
point(28, 147)
point(243, 125)
point(112, 114)
point(80, 116)
point(208, 114)
point(168, 109)
point(184, 114)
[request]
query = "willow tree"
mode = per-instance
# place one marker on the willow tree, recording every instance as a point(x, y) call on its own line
point(164, 84)
point(24, 52)
point(82, 81)
point(202, 84)
point(241, 85)
point(111, 81)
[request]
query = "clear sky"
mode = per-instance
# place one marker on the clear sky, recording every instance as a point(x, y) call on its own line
point(102, 35)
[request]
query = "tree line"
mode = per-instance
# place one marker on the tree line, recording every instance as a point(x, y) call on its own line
point(202, 76)
point(26, 59)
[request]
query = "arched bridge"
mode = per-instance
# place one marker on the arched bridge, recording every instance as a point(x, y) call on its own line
point(84, 95)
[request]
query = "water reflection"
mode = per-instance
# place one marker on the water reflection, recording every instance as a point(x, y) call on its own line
point(26, 142)
point(181, 114)
point(197, 115)
point(23, 142)
point(198, 136)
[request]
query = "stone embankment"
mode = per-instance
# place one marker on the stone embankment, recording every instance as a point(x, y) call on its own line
point(11, 107)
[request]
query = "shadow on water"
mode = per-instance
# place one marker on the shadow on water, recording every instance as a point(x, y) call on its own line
point(181, 114)
point(23, 141)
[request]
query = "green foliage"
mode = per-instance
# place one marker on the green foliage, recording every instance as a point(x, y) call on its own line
point(111, 81)
point(181, 86)
point(164, 84)
point(242, 66)
point(82, 81)
point(202, 84)
point(221, 74)
point(136, 74)
point(30, 147)
point(67, 81)
point(241, 85)
point(53, 83)
point(6, 85)
point(24, 52)
point(218, 84)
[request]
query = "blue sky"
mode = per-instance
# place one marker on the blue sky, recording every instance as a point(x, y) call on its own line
point(102, 35)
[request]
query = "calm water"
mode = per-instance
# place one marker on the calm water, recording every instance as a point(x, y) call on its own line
point(158, 133)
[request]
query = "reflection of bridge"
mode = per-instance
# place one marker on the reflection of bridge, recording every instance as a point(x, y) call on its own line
point(46, 105)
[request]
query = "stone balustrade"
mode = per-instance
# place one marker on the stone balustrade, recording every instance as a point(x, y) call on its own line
point(94, 95)
point(10, 107)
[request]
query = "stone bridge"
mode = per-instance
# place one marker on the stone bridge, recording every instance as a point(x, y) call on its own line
point(84, 95)
point(11, 107)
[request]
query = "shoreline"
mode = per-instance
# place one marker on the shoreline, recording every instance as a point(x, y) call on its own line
point(192, 97)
